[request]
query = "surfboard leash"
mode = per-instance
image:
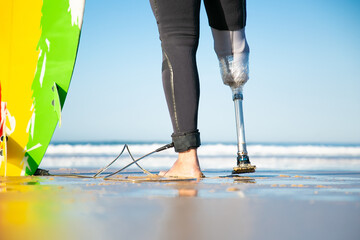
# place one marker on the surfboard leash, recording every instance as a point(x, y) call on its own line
point(122, 151)
point(134, 161)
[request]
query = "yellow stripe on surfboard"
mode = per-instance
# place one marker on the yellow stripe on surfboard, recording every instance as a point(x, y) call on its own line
point(20, 32)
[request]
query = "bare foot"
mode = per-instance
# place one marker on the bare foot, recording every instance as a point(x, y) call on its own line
point(187, 165)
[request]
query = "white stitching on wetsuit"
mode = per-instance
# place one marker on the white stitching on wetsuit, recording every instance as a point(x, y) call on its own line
point(172, 91)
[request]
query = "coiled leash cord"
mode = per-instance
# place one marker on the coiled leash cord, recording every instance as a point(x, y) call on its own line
point(134, 161)
point(167, 146)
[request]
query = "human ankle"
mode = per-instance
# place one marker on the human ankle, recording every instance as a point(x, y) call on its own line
point(189, 155)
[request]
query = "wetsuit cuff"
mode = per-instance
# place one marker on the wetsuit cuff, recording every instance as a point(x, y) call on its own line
point(185, 141)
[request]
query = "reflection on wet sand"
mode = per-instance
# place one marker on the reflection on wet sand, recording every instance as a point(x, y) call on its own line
point(27, 205)
point(188, 192)
point(187, 189)
point(239, 179)
point(216, 207)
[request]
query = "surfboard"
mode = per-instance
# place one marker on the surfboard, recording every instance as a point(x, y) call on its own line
point(39, 42)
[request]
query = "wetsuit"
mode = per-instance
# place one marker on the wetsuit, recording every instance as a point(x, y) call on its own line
point(178, 24)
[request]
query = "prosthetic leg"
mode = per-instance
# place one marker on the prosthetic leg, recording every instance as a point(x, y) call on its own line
point(233, 54)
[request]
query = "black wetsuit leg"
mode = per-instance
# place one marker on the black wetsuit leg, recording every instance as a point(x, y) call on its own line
point(178, 24)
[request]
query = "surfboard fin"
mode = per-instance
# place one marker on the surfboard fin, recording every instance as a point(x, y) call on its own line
point(42, 172)
point(56, 102)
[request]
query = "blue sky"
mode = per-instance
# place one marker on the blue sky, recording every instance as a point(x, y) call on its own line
point(304, 76)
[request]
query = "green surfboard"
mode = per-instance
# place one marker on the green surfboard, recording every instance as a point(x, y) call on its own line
point(39, 40)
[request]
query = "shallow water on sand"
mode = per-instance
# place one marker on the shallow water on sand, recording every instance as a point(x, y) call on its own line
point(297, 204)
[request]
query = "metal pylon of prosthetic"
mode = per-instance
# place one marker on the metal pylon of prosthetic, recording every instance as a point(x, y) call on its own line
point(233, 53)
point(243, 161)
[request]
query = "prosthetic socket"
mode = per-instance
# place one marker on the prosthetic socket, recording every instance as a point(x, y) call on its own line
point(233, 53)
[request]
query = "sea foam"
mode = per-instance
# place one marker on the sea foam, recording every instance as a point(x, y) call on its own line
point(212, 156)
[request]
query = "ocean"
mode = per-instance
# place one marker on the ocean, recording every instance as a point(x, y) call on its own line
point(221, 156)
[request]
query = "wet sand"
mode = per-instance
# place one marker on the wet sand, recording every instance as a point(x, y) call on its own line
point(261, 205)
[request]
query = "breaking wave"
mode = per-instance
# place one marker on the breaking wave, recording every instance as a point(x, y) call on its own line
point(212, 156)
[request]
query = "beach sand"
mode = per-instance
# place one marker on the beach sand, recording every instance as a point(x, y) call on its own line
point(261, 205)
